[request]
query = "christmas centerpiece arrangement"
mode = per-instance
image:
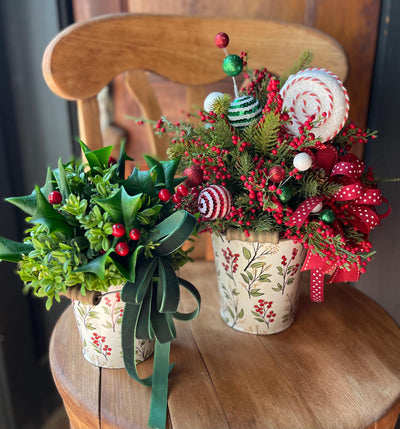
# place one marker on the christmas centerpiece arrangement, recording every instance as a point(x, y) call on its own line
point(113, 243)
point(273, 164)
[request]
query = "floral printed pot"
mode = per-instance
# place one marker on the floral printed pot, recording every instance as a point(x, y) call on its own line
point(100, 331)
point(258, 283)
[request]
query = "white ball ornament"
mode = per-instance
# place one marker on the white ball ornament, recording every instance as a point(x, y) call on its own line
point(302, 161)
point(317, 208)
point(210, 101)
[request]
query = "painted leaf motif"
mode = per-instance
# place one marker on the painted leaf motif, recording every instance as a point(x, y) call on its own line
point(241, 314)
point(255, 313)
point(246, 253)
point(245, 278)
point(256, 292)
point(231, 313)
point(259, 319)
point(257, 264)
point(280, 271)
point(265, 278)
point(290, 281)
point(249, 275)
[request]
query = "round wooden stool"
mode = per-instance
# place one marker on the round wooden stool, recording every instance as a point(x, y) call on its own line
point(337, 366)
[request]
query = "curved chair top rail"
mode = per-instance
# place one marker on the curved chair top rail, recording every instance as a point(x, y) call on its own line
point(179, 48)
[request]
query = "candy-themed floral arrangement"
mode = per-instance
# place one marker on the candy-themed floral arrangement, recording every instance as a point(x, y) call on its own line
point(275, 162)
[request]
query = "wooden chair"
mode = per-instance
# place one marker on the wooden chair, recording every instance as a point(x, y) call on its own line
point(338, 366)
point(85, 57)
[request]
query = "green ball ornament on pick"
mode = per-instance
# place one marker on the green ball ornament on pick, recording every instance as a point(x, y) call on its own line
point(327, 216)
point(232, 65)
point(285, 195)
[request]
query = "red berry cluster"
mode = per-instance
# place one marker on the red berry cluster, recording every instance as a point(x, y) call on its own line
point(262, 308)
point(99, 341)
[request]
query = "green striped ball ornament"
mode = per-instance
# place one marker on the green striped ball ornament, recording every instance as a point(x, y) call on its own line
point(243, 111)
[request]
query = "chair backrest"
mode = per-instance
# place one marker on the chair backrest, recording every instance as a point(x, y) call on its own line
point(86, 56)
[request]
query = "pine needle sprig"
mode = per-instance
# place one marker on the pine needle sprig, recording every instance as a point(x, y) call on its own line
point(303, 62)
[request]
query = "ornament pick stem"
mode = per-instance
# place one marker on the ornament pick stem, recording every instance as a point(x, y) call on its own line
point(233, 64)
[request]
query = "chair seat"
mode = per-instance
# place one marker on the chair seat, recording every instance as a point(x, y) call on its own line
point(336, 367)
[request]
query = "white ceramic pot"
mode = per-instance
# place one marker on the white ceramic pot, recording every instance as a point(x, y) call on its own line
point(100, 331)
point(258, 283)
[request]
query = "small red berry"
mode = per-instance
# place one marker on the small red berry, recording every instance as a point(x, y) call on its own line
point(164, 195)
point(176, 198)
point(55, 197)
point(122, 248)
point(111, 161)
point(134, 234)
point(118, 230)
point(182, 190)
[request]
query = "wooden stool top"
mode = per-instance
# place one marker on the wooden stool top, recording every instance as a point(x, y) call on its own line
point(337, 366)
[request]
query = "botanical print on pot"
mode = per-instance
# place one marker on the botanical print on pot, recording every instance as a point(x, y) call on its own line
point(100, 331)
point(258, 283)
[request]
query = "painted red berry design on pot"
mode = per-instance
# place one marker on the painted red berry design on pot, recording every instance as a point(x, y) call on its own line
point(118, 230)
point(122, 248)
point(263, 312)
point(55, 197)
point(164, 195)
point(287, 270)
point(99, 345)
point(134, 234)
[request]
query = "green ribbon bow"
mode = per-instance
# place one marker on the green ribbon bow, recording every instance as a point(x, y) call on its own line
point(151, 307)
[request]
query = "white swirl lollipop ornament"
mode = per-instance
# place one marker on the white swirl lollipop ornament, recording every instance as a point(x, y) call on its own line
point(316, 92)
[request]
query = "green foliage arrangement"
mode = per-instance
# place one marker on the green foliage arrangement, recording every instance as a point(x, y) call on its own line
point(91, 226)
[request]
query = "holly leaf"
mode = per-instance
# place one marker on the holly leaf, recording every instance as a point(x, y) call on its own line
point(170, 168)
point(140, 182)
point(157, 167)
point(121, 161)
point(13, 251)
point(27, 203)
point(62, 181)
point(97, 158)
point(47, 215)
point(122, 207)
point(96, 266)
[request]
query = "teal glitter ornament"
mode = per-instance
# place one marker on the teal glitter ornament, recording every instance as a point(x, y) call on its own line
point(285, 195)
point(232, 65)
point(243, 111)
point(327, 216)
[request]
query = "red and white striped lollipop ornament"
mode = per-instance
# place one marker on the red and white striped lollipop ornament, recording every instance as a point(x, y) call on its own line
point(318, 92)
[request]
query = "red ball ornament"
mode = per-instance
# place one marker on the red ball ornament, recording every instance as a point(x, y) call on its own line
point(134, 234)
point(221, 40)
point(164, 195)
point(276, 174)
point(55, 197)
point(214, 202)
point(118, 230)
point(122, 248)
point(194, 175)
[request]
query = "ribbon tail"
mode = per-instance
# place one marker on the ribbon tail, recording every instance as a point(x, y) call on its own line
point(159, 392)
point(128, 335)
point(317, 285)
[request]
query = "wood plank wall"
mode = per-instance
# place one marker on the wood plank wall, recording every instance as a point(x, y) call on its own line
point(353, 23)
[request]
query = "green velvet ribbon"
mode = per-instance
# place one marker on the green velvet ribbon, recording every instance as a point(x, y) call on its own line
point(151, 305)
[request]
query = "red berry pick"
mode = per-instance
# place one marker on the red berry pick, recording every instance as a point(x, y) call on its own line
point(182, 190)
point(122, 248)
point(134, 234)
point(221, 40)
point(164, 195)
point(55, 197)
point(118, 230)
